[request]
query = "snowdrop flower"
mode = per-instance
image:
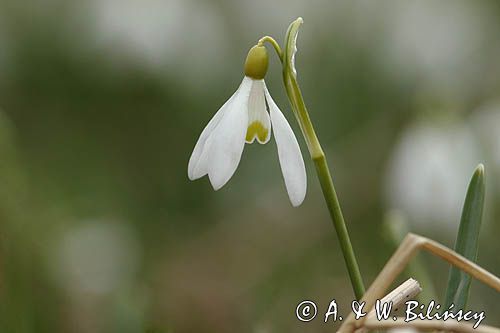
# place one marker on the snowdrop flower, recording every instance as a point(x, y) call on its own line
point(427, 174)
point(247, 116)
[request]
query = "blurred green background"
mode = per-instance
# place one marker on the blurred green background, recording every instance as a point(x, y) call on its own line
point(102, 102)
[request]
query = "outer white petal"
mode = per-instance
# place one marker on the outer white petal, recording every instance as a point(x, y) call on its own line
point(225, 145)
point(257, 113)
point(197, 167)
point(291, 162)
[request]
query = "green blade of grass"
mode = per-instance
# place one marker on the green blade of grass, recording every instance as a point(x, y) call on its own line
point(467, 242)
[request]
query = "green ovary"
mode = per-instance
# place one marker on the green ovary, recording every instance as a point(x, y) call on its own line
point(256, 129)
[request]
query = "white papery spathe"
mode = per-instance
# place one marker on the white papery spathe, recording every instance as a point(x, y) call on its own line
point(244, 118)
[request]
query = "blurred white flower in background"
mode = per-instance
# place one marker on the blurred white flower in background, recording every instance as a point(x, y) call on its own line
point(429, 172)
point(486, 122)
point(149, 29)
point(96, 257)
point(439, 42)
point(183, 35)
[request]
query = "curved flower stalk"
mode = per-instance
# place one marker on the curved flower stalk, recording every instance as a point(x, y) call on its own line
point(248, 115)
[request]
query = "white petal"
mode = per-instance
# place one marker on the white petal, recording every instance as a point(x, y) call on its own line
point(259, 125)
point(292, 164)
point(227, 141)
point(196, 167)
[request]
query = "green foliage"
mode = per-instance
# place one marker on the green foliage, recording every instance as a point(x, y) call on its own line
point(467, 242)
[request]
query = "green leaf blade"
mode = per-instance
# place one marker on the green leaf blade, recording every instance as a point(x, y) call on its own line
point(467, 242)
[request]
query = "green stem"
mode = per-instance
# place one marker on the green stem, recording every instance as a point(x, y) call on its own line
point(274, 43)
point(319, 159)
point(325, 179)
point(333, 204)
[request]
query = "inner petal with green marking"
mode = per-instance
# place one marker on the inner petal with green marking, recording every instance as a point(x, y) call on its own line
point(256, 130)
point(259, 124)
